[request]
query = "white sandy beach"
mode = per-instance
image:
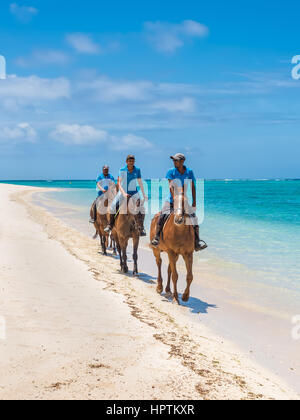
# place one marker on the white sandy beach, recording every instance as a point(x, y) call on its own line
point(78, 329)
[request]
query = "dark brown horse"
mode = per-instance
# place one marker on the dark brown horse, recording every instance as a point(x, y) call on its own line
point(178, 238)
point(126, 227)
point(102, 221)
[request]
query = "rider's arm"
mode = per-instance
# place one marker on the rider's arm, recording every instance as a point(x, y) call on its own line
point(142, 188)
point(194, 193)
point(101, 188)
point(121, 188)
point(172, 189)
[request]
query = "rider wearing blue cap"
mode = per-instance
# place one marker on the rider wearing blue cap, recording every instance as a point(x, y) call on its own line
point(104, 181)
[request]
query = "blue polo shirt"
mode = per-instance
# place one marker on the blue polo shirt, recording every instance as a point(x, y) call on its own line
point(105, 182)
point(129, 180)
point(174, 174)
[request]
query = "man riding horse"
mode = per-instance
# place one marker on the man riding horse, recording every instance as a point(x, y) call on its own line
point(104, 182)
point(181, 175)
point(129, 176)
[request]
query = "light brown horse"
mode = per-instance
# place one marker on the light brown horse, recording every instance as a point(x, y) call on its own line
point(126, 227)
point(178, 238)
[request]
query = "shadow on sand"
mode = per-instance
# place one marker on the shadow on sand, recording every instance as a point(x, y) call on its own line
point(146, 278)
point(196, 306)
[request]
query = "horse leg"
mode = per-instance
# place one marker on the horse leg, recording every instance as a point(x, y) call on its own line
point(103, 244)
point(188, 258)
point(157, 255)
point(173, 258)
point(112, 243)
point(136, 241)
point(114, 247)
point(117, 242)
point(168, 288)
point(123, 245)
point(120, 255)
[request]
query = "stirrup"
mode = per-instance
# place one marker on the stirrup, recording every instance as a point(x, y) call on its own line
point(155, 242)
point(143, 232)
point(200, 247)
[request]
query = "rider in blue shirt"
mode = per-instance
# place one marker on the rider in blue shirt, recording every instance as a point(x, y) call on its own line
point(182, 176)
point(104, 181)
point(129, 178)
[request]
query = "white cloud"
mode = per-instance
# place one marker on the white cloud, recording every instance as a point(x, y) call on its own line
point(47, 57)
point(79, 135)
point(83, 43)
point(33, 87)
point(23, 13)
point(167, 37)
point(104, 89)
point(20, 132)
point(181, 105)
point(130, 142)
point(150, 96)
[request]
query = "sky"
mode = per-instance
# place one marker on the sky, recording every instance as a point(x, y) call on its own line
point(88, 83)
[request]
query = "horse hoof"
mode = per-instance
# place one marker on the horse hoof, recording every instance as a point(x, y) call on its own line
point(185, 298)
point(159, 290)
point(176, 301)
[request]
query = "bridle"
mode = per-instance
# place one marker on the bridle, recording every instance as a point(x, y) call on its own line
point(179, 209)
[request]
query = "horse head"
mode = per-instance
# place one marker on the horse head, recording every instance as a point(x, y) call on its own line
point(179, 201)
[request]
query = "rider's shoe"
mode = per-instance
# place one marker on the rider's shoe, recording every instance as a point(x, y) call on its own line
point(111, 224)
point(155, 241)
point(199, 246)
point(143, 232)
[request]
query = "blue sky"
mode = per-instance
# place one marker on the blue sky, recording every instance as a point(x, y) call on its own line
point(89, 83)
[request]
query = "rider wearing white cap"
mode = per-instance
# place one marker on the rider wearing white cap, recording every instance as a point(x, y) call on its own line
point(181, 174)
